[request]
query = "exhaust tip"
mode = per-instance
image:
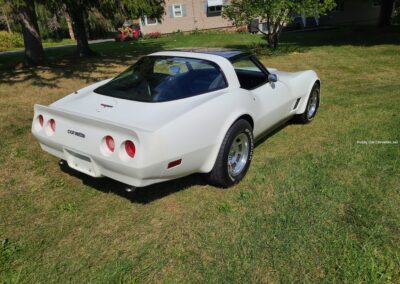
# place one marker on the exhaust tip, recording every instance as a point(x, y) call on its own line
point(130, 189)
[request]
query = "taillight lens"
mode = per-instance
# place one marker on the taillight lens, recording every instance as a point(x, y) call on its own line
point(110, 143)
point(53, 125)
point(41, 120)
point(130, 148)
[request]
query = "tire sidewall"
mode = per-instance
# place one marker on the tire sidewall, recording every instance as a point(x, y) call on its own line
point(315, 88)
point(238, 128)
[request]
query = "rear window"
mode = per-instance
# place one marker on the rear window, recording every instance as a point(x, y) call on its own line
point(165, 78)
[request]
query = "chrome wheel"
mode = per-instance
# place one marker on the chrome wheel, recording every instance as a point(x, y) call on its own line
point(313, 105)
point(238, 154)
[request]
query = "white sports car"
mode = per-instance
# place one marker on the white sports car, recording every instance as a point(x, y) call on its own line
point(175, 113)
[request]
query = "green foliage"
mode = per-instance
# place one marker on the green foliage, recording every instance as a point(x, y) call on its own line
point(98, 25)
point(140, 8)
point(10, 40)
point(52, 23)
point(152, 35)
point(396, 13)
point(275, 13)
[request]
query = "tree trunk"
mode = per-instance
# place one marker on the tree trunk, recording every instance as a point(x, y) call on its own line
point(30, 30)
point(386, 12)
point(75, 10)
point(273, 40)
point(69, 24)
point(7, 21)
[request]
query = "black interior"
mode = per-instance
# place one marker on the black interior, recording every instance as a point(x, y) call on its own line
point(251, 79)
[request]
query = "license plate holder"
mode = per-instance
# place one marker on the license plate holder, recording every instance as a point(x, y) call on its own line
point(80, 163)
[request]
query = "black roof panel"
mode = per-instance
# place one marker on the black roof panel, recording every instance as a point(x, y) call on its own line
point(227, 53)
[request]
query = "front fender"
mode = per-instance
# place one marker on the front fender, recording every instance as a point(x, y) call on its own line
point(309, 78)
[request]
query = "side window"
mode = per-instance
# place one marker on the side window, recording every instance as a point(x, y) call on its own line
point(206, 77)
point(246, 64)
point(249, 74)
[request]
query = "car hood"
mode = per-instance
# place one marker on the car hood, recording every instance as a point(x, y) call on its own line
point(144, 115)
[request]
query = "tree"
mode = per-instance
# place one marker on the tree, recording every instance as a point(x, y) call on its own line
point(69, 24)
point(141, 8)
point(26, 14)
point(5, 11)
point(386, 12)
point(78, 11)
point(275, 13)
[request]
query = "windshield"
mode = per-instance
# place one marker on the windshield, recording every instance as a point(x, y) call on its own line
point(165, 78)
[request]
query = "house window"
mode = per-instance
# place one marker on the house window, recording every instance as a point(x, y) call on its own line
point(177, 10)
point(150, 21)
point(214, 10)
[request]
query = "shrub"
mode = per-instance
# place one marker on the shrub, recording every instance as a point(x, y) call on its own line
point(153, 35)
point(10, 40)
point(177, 33)
point(242, 29)
point(196, 31)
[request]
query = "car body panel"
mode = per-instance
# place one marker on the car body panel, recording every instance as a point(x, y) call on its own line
point(190, 129)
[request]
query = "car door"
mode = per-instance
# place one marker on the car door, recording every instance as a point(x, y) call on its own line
point(272, 99)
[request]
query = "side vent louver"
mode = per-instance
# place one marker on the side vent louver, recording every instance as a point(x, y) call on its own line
point(297, 103)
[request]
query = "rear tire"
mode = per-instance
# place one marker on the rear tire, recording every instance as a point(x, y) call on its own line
point(312, 106)
point(234, 156)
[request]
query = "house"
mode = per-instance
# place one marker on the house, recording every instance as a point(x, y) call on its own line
point(353, 12)
point(190, 15)
point(346, 12)
point(187, 15)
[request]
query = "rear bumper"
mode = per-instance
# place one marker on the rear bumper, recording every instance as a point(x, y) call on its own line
point(99, 166)
point(87, 153)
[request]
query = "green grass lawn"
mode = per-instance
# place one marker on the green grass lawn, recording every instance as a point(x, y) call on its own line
point(316, 205)
point(46, 43)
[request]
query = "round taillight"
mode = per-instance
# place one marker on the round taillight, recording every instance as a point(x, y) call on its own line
point(53, 125)
point(110, 143)
point(130, 148)
point(41, 120)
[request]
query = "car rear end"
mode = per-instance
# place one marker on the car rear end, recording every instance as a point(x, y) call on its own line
point(95, 146)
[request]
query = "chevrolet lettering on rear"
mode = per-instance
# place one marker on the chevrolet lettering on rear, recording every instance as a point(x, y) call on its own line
point(79, 134)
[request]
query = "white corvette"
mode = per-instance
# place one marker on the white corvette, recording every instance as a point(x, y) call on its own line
point(175, 113)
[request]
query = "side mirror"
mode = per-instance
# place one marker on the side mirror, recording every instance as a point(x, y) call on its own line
point(272, 78)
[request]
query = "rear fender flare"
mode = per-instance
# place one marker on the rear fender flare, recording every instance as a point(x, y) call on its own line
point(212, 157)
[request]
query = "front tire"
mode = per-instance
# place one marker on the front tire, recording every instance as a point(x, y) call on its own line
point(234, 156)
point(312, 105)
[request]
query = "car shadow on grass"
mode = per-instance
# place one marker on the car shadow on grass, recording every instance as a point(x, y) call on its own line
point(142, 195)
point(148, 194)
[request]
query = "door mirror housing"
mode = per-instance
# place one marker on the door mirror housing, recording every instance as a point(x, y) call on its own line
point(272, 78)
